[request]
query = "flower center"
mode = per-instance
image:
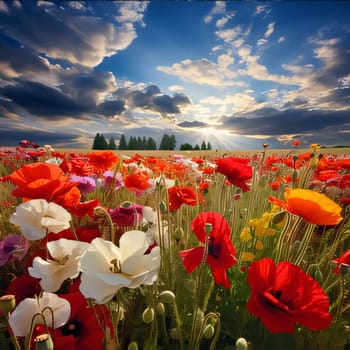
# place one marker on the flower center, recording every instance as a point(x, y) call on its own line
point(115, 266)
point(60, 261)
point(214, 249)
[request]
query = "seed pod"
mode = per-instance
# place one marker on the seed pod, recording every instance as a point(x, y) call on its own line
point(148, 315)
point(167, 296)
point(209, 331)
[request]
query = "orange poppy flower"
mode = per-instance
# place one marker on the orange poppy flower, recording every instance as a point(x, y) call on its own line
point(40, 181)
point(314, 207)
point(102, 161)
point(137, 181)
point(182, 195)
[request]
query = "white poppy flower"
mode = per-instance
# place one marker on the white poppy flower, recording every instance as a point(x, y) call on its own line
point(37, 216)
point(107, 268)
point(21, 318)
point(66, 255)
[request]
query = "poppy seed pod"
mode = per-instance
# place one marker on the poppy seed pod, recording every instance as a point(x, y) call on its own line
point(148, 315)
point(241, 344)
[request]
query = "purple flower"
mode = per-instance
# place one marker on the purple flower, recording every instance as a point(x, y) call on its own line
point(111, 178)
point(127, 214)
point(86, 183)
point(13, 247)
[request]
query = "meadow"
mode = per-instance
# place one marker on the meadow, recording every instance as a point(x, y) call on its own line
point(175, 250)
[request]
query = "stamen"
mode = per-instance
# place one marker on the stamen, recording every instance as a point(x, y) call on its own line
point(115, 268)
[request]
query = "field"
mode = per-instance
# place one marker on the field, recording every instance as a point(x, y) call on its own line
point(211, 153)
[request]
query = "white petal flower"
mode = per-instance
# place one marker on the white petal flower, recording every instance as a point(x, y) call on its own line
point(37, 216)
point(107, 268)
point(21, 318)
point(66, 256)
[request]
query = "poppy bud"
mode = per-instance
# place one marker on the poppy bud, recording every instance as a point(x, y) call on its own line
point(209, 331)
point(241, 344)
point(318, 275)
point(133, 346)
point(161, 308)
point(43, 342)
point(162, 206)
point(167, 296)
point(7, 303)
point(148, 315)
point(178, 233)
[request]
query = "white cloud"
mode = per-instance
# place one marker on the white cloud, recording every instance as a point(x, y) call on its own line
point(219, 8)
point(270, 30)
point(132, 11)
point(3, 7)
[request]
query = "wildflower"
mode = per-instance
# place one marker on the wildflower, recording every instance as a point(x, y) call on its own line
point(138, 181)
point(107, 268)
point(113, 179)
point(102, 161)
point(221, 252)
point(179, 195)
point(314, 207)
point(86, 184)
point(245, 235)
point(295, 143)
point(283, 295)
point(40, 181)
point(343, 259)
point(237, 171)
point(127, 214)
point(247, 256)
point(86, 324)
point(21, 318)
point(63, 264)
point(37, 216)
point(12, 247)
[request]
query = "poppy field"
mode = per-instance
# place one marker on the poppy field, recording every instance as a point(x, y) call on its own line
point(216, 250)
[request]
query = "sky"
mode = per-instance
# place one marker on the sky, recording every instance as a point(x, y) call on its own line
point(237, 74)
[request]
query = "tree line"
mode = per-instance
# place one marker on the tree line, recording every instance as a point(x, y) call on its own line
point(167, 143)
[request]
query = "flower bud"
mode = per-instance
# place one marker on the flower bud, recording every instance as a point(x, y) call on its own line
point(209, 331)
point(7, 303)
point(43, 342)
point(161, 308)
point(133, 346)
point(179, 232)
point(241, 344)
point(318, 275)
point(162, 206)
point(167, 296)
point(148, 315)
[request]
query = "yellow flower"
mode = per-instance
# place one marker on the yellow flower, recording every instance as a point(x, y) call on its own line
point(269, 231)
point(245, 235)
point(253, 222)
point(259, 245)
point(247, 256)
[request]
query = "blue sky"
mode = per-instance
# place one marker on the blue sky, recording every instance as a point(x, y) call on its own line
point(236, 74)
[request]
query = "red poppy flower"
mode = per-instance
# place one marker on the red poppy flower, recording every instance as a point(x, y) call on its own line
point(283, 295)
point(182, 195)
point(236, 169)
point(296, 143)
point(102, 161)
point(84, 208)
point(137, 181)
point(221, 252)
point(343, 259)
point(40, 181)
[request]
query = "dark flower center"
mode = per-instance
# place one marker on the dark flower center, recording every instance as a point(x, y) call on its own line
point(72, 328)
point(214, 249)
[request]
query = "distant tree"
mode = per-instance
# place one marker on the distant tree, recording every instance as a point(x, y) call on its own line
point(186, 147)
point(139, 143)
point(151, 144)
point(196, 148)
point(209, 146)
point(99, 142)
point(111, 144)
point(167, 142)
point(132, 144)
point(204, 146)
point(144, 143)
point(123, 145)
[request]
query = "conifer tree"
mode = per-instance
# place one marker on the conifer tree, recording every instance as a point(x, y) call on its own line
point(123, 145)
point(111, 144)
point(209, 146)
point(204, 146)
